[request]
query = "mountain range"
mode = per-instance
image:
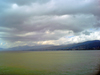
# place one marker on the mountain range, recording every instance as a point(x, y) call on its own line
point(88, 45)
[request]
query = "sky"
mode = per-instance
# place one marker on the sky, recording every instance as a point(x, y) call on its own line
point(48, 22)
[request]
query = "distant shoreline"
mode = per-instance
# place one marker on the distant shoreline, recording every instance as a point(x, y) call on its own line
point(43, 50)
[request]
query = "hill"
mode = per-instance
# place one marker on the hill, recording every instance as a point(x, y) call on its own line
point(88, 45)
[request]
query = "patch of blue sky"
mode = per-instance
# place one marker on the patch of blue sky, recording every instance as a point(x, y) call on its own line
point(69, 36)
point(2, 44)
point(94, 30)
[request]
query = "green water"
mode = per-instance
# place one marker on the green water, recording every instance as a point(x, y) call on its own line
point(49, 62)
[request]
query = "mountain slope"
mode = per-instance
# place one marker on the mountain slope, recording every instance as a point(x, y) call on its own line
point(88, 45)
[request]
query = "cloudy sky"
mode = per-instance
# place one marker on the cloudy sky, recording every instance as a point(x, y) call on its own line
point(41, 22)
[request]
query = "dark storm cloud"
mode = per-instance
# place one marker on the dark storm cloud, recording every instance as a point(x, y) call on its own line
point(41, 20)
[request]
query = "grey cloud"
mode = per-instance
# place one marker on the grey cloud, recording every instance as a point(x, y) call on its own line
point(25, 2)
point(47, 15)
point(42, 36)
point(97, 25)
point(87, 32)
point(44, 23)
point(60, 7)
point(76, 7)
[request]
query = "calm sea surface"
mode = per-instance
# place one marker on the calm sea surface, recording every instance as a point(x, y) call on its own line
point(62, 62)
